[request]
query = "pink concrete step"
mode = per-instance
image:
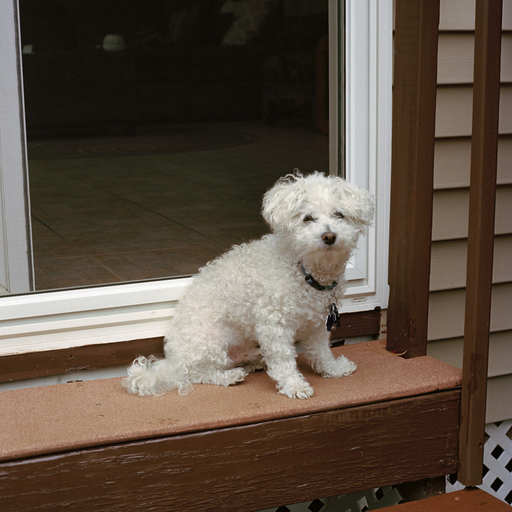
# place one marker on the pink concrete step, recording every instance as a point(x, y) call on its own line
point(51, 419)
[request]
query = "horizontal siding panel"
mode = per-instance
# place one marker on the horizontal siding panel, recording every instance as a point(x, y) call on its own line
point(455, 58)
point(500, 353)
point(499, 385)
point(455, 107)
point(446, 312)
point(451, 209)
point(499, 402)
point(460, 15)
point(452, 162)
point(450, 216)
point(449, 258)
point(451, 202)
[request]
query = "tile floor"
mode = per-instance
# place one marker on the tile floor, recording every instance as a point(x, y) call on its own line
point(108, 210)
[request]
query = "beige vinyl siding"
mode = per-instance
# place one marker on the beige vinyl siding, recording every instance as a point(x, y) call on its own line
point(460, 15)
point(451, 204)
point(448, 265)
point(452, 162)
point(455, 109)
point(451, 211)
point(446, 312)
point(455, 63)
point(500, 355)
point(499, 402)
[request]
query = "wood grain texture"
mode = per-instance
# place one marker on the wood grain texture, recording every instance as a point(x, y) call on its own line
point(467, 500)
point(250, 467)
point(414, 112)
point(93, 357)
point(89, 357)
point(484, 154)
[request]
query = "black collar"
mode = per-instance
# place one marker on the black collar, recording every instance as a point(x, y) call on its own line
point(314, 283)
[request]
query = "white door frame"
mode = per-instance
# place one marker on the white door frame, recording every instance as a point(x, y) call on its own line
point(16, 267)
point(105, 314)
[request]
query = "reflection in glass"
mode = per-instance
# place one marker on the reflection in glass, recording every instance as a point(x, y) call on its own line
point(155, 126)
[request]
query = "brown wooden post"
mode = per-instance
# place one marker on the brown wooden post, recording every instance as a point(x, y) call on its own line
point(414, 111)
point(484, 151)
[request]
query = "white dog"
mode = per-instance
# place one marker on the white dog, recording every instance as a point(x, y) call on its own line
point(247, 308)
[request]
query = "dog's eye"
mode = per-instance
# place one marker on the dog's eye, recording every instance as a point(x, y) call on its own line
point(339, 215)
point(308, 218)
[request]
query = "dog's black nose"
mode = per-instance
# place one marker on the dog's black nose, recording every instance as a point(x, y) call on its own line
point(329, 238)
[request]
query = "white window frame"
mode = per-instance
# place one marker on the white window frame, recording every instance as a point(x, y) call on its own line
point(15, 231)
point(115, 313)
point(368, 67)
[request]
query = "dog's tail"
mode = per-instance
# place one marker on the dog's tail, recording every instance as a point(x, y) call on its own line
point(152, 376)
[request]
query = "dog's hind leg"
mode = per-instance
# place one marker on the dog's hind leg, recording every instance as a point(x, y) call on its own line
point(216, 376)
point(207, 359)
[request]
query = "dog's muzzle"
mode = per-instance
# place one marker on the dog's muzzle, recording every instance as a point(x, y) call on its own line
point(329, 238)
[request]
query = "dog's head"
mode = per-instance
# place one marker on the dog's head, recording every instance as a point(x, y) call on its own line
point(322, 215)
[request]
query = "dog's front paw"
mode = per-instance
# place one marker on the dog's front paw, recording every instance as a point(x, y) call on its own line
point(341, 367)
point(296, 389)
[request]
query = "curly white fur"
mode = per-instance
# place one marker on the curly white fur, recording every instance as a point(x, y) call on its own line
point(247, 308)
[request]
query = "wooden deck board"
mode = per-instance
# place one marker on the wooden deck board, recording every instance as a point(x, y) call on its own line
point(467, 500)
point(248, 467)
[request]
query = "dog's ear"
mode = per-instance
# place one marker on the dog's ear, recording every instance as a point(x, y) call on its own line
point(358, 203)
point(282, 202)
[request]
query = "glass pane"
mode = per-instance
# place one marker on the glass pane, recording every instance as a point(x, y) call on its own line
point(155, 126)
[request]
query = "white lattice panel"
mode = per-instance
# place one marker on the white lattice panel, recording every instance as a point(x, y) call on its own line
point(497, 479)
point(354, 502)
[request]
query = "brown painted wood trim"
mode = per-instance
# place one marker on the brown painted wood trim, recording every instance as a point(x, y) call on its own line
point(364, 323)
point(69, 360)
point(251, 467)
point(412, 174)
point(482, 200)
point(93, 357)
